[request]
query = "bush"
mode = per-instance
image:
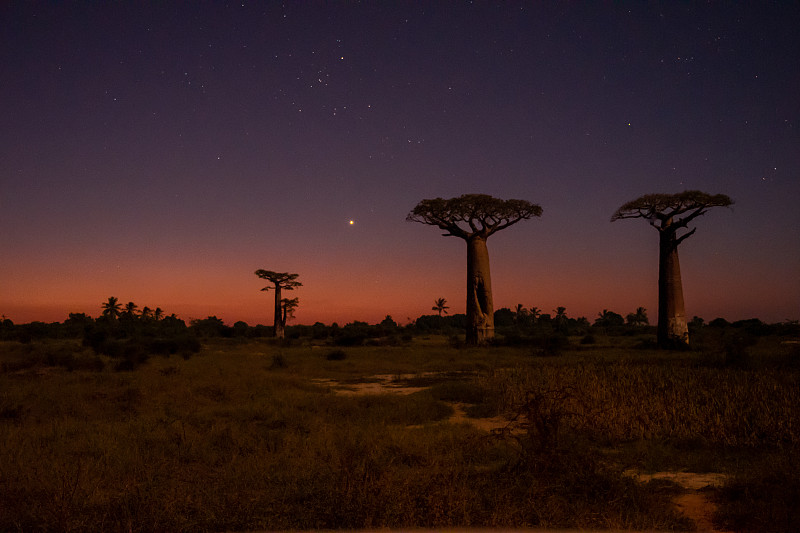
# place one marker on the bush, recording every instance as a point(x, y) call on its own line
point(350, 339)
point(549, 346)
point(278, 361)
point(336, 355)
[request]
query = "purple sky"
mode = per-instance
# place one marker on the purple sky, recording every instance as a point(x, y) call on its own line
point(162, 152)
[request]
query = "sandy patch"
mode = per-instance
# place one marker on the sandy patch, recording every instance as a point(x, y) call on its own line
point(377, 384)
point(393, 384)
point(695, 503)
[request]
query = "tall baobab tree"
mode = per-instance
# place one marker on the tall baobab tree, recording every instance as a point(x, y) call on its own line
point(280, 281)
point(474, 217)
point(440, 306)
point(670, 213)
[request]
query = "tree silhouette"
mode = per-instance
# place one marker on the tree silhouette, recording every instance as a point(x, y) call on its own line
point(474, 217)
point(112, 308)
point(560, 319)
point(521, 316)
point(289, 305)
point(158, 314)
point(638, 318)
point(130, 310)
point(534, 313)
point(440, 306)
point(609, 319)
point(670, 213)
point(280, 281)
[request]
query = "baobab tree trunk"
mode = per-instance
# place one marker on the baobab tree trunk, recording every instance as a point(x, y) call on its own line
point(672, 327)
point(278, 325)
point(480, 309)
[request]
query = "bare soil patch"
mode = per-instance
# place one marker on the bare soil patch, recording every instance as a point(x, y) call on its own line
point(695, 503)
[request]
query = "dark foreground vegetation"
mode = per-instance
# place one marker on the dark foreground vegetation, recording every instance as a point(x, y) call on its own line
point(139, 427)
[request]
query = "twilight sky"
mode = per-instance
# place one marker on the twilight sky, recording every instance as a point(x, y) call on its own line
point(163, 152)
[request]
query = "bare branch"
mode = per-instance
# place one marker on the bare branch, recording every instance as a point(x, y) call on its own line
point(684, 237)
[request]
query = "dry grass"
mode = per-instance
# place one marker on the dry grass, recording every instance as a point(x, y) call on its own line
point(228, 440)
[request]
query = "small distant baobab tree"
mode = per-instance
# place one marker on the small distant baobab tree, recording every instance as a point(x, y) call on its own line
point(440, 306)
point(280, 281)
point(289, 305)
point(474, 217)
point(670, 213)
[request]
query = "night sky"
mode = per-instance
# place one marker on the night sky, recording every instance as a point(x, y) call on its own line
point(163, 152)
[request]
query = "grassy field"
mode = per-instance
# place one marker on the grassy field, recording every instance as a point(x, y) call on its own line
point(242, 437)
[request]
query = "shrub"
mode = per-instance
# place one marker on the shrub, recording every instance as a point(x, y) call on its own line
point(278, 361)
point(549, 345)
point(336, 355)
point(350, 339)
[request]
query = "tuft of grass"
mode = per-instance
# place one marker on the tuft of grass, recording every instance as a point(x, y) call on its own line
point(763, 496)
point(278, 361)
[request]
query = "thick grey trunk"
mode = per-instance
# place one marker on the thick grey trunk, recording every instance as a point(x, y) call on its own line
point(480, 309)
point(278, 325)
point(672, 327)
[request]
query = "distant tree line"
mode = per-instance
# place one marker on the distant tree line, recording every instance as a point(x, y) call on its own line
point(132, 335)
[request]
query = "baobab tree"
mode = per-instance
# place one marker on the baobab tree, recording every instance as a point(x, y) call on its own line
point(280, 281)
point(669, 214)
point(289, 305)
point(474, 217)
point(440, 306)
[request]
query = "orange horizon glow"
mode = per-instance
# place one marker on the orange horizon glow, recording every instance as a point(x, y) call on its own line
point(404, 302)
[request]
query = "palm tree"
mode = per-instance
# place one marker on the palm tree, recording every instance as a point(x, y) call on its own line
point(130, 310)
point(561, 318)
point(638, 318)
point(112, 308)
point(520, 315)
point(147, 313)
point(440, 306)
point(158, 314)
point(534, 313)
